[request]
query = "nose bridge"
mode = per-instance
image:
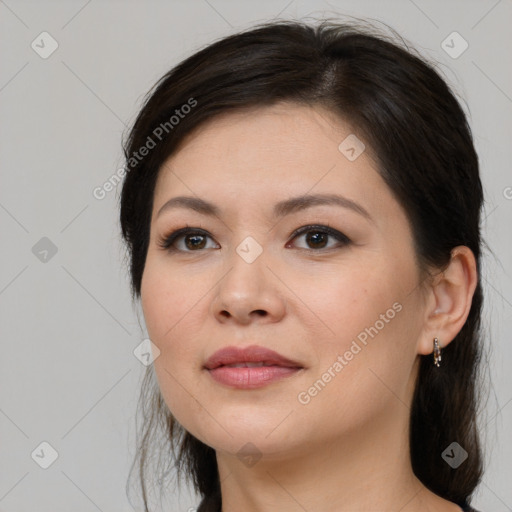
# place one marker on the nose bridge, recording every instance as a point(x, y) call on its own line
point(248, 286)
point(247, 262)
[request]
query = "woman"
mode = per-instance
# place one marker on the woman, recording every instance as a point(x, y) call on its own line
point(301, 210)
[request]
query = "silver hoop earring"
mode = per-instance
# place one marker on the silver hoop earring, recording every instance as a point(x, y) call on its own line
point(437, 352)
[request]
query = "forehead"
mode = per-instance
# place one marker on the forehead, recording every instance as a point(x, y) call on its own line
point(268, 153)
point(268, 130)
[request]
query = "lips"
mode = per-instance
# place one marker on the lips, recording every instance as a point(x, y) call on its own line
point(248, 357)
point(250, 368)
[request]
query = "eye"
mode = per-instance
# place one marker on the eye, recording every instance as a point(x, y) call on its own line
point(317, 237)
point(193, 239)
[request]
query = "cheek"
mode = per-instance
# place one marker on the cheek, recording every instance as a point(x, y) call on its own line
point(341, 303)
point(166, 298)
point(170, 311)
point(368, 346)
point(158, 305)
point(175, 305)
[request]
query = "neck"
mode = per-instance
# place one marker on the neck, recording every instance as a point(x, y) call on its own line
point(366, 469)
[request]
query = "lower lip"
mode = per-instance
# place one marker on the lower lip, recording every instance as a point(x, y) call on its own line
point(250, 378)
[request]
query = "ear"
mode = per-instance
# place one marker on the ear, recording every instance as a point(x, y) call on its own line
point(448, 300)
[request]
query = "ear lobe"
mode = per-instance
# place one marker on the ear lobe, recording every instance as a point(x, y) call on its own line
point(450, 298)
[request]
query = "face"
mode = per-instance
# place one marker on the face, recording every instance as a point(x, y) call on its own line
point(341, 298)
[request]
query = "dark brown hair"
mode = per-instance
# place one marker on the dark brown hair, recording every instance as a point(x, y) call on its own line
point(422, 143)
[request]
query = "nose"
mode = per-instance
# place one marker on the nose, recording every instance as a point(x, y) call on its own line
point(249, 292)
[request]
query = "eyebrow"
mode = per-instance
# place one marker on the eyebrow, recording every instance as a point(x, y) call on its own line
point(281, 209)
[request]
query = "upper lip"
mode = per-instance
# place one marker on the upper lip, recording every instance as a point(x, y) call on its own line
point(252, 354)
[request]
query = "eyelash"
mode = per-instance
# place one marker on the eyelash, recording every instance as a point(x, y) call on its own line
point(167, 242)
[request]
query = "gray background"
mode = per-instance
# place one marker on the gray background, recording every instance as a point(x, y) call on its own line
point(68, 374)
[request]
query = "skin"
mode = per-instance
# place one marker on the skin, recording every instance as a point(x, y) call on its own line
point(347, 449)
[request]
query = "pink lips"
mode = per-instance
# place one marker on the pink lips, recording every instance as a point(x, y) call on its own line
point(271, 366)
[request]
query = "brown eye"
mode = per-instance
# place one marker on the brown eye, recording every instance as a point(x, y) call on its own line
point(317, 237)
point(194, 240)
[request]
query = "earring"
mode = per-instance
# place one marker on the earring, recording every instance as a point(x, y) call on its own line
point(437, 352)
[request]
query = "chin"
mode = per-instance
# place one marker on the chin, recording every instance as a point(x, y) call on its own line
point(234, 433)
point(242, 446)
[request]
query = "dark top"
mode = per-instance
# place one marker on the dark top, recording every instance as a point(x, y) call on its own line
point(204, 506)
point(213, 506)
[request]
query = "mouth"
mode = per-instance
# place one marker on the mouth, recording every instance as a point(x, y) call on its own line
point(250, 368)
